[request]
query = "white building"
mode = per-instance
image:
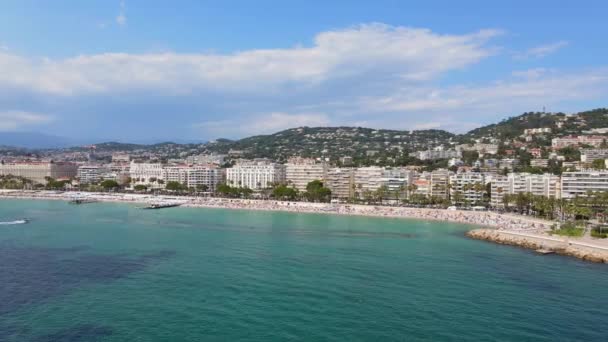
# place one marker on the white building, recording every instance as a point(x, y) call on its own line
point(146, 174)
point(436, 154)
point(217, 159)
point(38, 171)
point(590, 155)
point(256, 175)
point(341, 182)
point(546, 185)
point(368, 178)
point(301, 171)
point(91, 174)
point(593, 140)
point(194, 176)
point(440, 179)
point(470, 185)
point(580, 182)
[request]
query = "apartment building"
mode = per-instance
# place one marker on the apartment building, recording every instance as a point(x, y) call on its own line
point(439, 183)
point(593, 140)
point(467, 187)
point(547, 185)
point(38, 171)
point(436, 154)
point(301, 171)
point(578, 183)
point(368, 179)
point(91, 174)
point(590, 155)
point(341, 182)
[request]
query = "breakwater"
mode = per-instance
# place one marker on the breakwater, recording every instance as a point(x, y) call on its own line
point(557, 245)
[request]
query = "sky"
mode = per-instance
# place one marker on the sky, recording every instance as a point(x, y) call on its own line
point(138, 71)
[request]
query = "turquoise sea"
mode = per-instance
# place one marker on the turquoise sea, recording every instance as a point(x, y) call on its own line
point(112, 272)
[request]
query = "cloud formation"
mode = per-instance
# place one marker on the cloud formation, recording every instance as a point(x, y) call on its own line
point(541, 50)
point(375, 50)
point(371, 75)
point(12, 120)
point(121, 18)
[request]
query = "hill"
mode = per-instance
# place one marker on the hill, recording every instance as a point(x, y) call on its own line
point(332, 142)
point(560, 124)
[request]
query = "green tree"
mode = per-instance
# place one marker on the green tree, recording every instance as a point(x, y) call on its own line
point(316, 192)
point(109, 184)
point(140, 187)
point(175, 186)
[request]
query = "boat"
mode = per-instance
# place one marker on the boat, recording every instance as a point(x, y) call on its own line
point(20, 221)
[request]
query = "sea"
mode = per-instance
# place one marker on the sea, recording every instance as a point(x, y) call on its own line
point(114, 272)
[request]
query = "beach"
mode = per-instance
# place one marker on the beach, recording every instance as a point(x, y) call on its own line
point(523, 231)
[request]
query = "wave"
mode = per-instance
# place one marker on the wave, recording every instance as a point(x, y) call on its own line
point(7, 223)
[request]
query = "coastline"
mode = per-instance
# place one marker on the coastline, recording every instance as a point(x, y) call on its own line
point(510, 229)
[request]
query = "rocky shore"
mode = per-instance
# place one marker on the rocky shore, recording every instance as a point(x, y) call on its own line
point(542, 243)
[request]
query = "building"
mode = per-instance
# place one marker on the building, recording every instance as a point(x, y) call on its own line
point(120, 158)
point(479, 147)
point(257, 174)
point(542, 163)
point(440, 180)
point(194, 176)
point(467, 187)
point(593, 140)
point(590, 155)
point(368, 179)
point(546, 185)
point(436, 154)
point(147, 174)
point(341, 182)
point(38, 171)
point(346, 161)
point(202, 159)
point(532, 131)
point(91, 174)
point(301, 171)
point(396, 179)
point(578, 183)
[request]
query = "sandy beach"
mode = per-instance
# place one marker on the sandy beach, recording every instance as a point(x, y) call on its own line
point(527, 232)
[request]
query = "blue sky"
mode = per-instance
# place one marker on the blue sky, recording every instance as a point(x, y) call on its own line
point(197, 70)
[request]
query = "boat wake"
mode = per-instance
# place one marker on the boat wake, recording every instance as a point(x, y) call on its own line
point(9, 223)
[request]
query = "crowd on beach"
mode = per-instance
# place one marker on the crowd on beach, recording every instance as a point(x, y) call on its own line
point(487, 219)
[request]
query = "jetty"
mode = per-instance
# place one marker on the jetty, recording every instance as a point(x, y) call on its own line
point(83, 201)
point(162, 205)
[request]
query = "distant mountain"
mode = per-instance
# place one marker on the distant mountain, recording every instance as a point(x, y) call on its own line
point(34, 140)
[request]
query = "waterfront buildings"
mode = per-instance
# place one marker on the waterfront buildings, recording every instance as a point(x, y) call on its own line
point(255, 174)
point(467, 187)
point(194, 176)
point(147, 174)
point(578, 183)
point(341, 182)
point(38, 171)
point(91, 174)
point(368, 179)
point(301, 171)
point(440, 179)
point(546, 185)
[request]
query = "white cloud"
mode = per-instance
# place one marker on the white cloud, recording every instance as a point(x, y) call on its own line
point(11, 120)
point(542, 50)
point(262, 124)
point(121, 18)
point(373, 51)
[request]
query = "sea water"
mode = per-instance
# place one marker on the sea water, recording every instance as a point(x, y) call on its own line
point(113, 272)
